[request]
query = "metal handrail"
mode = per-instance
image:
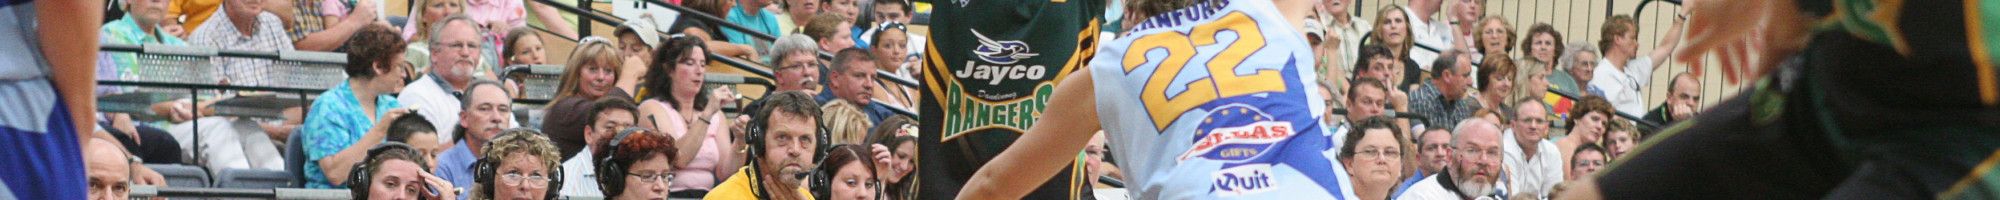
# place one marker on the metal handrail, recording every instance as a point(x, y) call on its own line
point(315, 57)
point(143, 191)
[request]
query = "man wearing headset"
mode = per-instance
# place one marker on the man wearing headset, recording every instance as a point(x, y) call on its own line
point(608, 115)
point(782, 143)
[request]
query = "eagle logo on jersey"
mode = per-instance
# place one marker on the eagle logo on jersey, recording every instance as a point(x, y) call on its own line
point(1001, 52)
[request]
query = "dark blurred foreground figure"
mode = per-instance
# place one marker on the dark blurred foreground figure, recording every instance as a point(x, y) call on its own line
point(1856, 100)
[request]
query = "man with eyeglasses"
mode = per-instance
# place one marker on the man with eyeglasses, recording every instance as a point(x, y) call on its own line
point(1444, 100)
point(454, 54)
point(608, 115)
point(1475, 168)
point(796, 61)
point(488, 110)
point(1533, 163)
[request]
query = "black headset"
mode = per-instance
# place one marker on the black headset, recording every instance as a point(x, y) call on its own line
point(610, 174)
point(358, 179)
point(822, 182)
point(755, 133)
point(483, 170)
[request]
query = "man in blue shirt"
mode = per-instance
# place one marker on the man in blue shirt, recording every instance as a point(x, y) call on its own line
point(750, 13)
point(852, 79)
point(487, 111)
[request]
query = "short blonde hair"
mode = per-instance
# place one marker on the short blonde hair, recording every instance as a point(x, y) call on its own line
point(845, 123)
point(520, 140)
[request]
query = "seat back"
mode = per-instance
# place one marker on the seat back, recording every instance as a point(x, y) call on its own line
point(178, 175)
point(254, 178)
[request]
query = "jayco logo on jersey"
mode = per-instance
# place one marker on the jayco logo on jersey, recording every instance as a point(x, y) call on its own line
point(1243, 180)
point(1226, 135)
point(1002, 55)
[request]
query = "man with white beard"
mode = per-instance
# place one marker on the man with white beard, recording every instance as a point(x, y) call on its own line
point(1475, 164)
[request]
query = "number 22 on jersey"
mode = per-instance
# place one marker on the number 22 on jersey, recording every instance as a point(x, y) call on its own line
point(1222, 82)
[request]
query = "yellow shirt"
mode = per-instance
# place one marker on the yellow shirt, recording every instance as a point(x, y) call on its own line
point(196, 11)
point(738, 187)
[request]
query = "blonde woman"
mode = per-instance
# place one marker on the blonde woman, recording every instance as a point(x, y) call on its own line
point(845, 123)
point(519, 164)
point(592, 68)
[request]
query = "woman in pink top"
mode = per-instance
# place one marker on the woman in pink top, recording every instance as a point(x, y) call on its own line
point(675, 103)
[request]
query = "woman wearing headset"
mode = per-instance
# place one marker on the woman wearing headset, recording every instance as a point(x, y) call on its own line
point(395, 170)
point(520, 164)
point(636, 164)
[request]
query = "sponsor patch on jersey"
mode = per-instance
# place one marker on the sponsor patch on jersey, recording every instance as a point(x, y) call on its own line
point(1243, 180)
point(1241, 141)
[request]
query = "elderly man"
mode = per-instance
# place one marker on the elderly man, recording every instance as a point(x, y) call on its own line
point(488, 110)
point(1445, 100)
point(1683, 100)
point(247, 28)
point(454, 47)
point(1475, 167)
point(1533, 163)
point(853, 80)
point(109, 170)
point(784, 151)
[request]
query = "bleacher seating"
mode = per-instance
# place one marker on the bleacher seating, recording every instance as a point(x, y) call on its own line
point(181, 175)
point(253, 179)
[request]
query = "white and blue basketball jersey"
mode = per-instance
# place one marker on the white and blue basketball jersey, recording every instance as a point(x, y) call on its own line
point(1216, 101)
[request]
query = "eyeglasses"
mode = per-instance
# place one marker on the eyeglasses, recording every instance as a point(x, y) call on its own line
point(1475, 151)
point(534, 181)
point(1385, 153)
point(458, 45)
point(1532, 120)
point(663, 178)
point(797, 65)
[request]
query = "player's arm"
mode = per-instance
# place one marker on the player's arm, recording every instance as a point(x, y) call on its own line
point(73, 33)
point(1065, 127)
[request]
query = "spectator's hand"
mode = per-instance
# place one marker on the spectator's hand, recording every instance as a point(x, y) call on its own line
point(444, 188)
point(1682, 112)
point(363, 11)
point(887, 160)
point(715, 100)
point(146, 176)
point(388, 117)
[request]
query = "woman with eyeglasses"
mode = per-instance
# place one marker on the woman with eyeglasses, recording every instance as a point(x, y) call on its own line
point(1374, 157)
point(846, 174)
point(676, 104)
point(519, 164)
point(637, 167)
